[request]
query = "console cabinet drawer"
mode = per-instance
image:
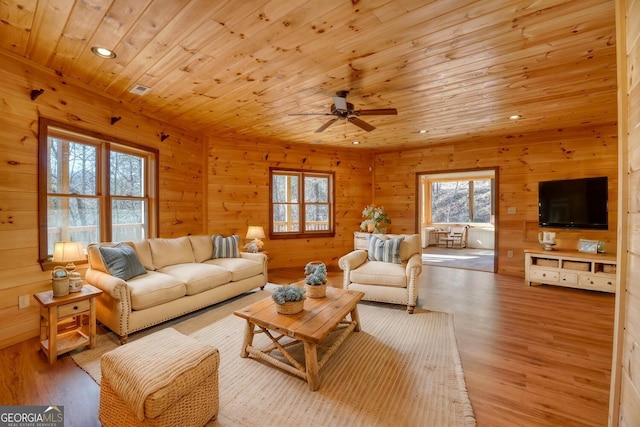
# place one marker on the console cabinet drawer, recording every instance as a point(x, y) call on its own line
point(569, 278)
point(544, 276)
point(361, 240)
point(596, 282)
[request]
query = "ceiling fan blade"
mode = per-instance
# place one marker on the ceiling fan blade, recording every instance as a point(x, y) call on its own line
point(340, 103)
point(361, 124)
point(326, 125)
point(378, 112)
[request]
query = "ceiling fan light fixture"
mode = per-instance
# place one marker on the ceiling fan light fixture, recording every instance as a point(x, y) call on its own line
point(103, 52)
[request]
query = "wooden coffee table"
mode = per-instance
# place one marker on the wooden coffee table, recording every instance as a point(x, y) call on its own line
point(320, 317)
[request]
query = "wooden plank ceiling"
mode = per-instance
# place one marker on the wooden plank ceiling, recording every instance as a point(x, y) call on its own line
point(238, 69)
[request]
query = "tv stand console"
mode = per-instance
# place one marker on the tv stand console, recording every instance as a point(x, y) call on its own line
point(596, 272)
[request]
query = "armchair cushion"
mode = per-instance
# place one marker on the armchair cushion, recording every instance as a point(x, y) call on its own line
point(385, 249)
point(380, 273)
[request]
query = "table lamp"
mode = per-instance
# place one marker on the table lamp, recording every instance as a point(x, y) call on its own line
point(256, 233)
point(68, 252)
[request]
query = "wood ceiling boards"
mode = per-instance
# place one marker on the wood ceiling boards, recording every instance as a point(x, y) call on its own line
point(238, 69)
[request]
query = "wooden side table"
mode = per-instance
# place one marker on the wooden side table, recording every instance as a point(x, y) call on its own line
point(62, 326)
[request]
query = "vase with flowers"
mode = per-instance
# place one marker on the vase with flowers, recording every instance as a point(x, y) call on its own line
point(375, 217)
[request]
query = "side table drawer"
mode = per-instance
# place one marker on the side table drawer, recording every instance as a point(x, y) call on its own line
point(73, 308)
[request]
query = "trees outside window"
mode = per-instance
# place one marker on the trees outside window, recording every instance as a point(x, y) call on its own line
point(93, 188)
point(461, 201)
point(301, 203)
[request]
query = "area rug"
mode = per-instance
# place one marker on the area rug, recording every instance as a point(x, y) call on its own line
point(400, 370)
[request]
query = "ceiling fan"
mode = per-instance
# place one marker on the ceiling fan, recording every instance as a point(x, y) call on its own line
point(343, 110)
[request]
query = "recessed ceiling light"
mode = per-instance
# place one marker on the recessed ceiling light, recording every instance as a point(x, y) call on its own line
point(103, 52)
point(515, 117)
point(356, 142)
point(423, 131)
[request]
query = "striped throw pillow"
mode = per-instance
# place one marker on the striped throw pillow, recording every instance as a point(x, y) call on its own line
point(225, 247)
point(385, 250)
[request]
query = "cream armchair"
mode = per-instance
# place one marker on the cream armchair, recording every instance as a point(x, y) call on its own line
point(394, 281)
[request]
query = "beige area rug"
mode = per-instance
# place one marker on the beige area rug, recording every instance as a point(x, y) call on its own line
point(400, 370)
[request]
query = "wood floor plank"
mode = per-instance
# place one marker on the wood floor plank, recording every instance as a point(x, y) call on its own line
point(532, 356)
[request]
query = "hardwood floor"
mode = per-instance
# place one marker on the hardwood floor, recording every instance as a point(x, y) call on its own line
point(532, 356)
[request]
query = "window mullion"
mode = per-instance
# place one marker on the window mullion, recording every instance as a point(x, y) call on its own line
point(104, 165)
point(303, 205)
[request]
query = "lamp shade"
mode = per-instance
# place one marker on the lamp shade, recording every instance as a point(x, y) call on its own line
point(255, 232)
point(68, 252)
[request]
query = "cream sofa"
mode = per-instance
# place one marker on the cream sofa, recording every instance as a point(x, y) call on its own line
point(171, 277)
point(388, 274)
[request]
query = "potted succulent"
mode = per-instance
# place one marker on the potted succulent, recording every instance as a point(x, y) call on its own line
point(316, 279)
point(289, 299)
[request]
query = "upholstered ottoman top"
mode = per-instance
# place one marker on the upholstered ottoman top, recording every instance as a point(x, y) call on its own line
point(153, 372)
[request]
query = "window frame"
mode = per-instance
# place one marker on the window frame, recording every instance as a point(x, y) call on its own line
point(302, 233)
point(104, 146)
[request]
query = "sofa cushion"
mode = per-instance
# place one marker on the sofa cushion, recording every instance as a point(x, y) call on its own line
point(143, 250)
point(154, 288)
point(380, 273)
point(198, 277)
point(202, 247)
point(240, 268)
point(171, 251)
point(121, 261)
point(383, 249)
point(225, 247)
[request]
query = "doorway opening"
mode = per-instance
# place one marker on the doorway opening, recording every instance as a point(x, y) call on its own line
point(457, 218)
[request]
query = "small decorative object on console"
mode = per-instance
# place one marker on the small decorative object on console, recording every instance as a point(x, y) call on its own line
point(547, 240)
point(590, 246)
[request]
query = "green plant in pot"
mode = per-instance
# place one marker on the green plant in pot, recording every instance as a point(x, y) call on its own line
point(289, 299)
point(316, 279)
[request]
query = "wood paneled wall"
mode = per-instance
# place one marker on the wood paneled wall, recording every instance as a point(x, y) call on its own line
point(523, 160)
point(238, 195)
point(182, 162)
point(625, 389)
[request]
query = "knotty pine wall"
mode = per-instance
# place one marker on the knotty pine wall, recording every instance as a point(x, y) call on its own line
point(624, 406)
point(238, 195)
point(182, 165)
point(523, 160)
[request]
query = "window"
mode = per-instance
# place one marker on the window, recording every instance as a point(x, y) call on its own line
point(461, 201)
point(301, 203)
point(93, 188)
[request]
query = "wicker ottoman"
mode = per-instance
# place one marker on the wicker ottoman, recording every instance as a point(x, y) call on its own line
point(164, 379)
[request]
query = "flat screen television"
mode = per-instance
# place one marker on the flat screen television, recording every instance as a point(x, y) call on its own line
point(574, 203)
